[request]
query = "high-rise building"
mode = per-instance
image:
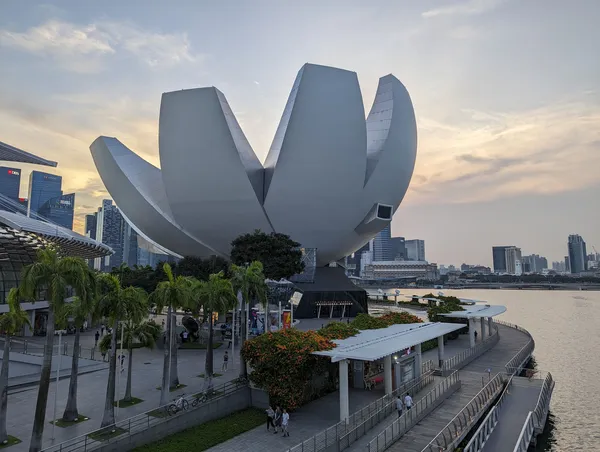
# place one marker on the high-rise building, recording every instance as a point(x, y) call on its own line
point(577, 253)
point(60, 210)
point(90, 225)
point(42, 188)
point(513, 260)
point(567, 264)
point(110, 230)
point(130, 246)
point(10, 181)
point(398, 248)
point(559, 267)
point(499, 258)
point(381, 245)
point(534, 263)
point(415, 250)
point(353, 262)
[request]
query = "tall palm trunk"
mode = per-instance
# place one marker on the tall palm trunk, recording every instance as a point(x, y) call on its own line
point(109, 404)
point(164, 390)
point(208, 365)
point(71, 414)
point(174, 375)
point(128, 397)
point(4, 389)
point(243, 326)
point(39, 417)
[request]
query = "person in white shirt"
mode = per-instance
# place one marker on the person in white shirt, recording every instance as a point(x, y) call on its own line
point(408, 401)
point(285, 419)
point(399, 406)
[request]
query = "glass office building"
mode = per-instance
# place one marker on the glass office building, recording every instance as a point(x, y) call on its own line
point(60, 210)
point(10, 180)
point(42, 188)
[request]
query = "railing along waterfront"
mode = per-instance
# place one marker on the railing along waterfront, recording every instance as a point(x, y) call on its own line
point(466, 356)
point(461, 424)
point(330, 438)
point(489, 423)
point(121, 430)
point(526, 435)
point(517, 363)
point(409, 418)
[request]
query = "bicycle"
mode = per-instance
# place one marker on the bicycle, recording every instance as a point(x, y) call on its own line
point(203, 397)
point(179, 404)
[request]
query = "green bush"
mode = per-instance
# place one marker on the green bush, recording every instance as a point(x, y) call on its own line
point(208, 435)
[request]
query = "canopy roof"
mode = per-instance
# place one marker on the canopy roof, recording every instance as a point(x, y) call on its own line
point(12, 154)
point(69, 242)
point(371, 345)
point(477, 310)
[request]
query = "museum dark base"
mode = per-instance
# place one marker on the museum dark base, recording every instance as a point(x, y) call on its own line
point(331, 294)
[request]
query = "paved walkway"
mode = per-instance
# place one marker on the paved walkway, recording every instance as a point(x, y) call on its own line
point(519, 402)
point(147, 376)
point(511, 341)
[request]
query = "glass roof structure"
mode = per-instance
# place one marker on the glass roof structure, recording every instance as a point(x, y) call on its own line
point(371, 345)
point(12, 154)
point(477, 311)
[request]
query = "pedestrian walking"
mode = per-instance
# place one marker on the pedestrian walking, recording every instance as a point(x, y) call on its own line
point(399, 405)
point(97, 336)
point(103, 356)
point(270, 416)
point(122, 359)
point(102, 329)
point(225, 360)
point(408, 401)
point(285, 419)
point(277, 419)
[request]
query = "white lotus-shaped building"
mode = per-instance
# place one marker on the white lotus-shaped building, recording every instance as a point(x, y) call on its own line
point(330, 180)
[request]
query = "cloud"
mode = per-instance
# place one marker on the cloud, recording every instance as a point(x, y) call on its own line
point(468, 8)
point(82, 48)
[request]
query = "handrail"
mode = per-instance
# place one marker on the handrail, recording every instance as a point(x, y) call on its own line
point(526, 435)
point(462, 358)
point(489, 423)
point(331, 435)
point(138, 423)
point(460, 425)
point(410, 417)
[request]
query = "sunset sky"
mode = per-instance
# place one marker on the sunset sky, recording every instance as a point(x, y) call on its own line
point(506, 94)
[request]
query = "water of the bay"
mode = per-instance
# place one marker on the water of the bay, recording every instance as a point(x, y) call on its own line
point(566, 329)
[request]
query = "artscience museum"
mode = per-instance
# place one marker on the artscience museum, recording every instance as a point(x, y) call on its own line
point(331, 180)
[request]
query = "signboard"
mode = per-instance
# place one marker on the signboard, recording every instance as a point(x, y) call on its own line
point(14, 172)
point(286, 319)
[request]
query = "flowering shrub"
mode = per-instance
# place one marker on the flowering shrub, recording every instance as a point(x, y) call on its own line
point(338, 330)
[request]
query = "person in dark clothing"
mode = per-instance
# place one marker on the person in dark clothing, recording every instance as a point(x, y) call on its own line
point(270, 416)
point(97, 336)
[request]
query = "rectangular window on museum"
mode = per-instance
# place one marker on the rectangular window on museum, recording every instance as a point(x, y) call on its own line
point(384, 212)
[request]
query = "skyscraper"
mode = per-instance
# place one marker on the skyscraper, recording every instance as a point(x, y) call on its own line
point(398, 248)
point(534, 263)
point(130, 246)
point(415, 250)
point(10, 181)
point(381, 245)
point(42, 188)
point(90, 225)
point(513, 260)
point(59, 210)
point(577, 253)
point(499, 258)
point(110, 230)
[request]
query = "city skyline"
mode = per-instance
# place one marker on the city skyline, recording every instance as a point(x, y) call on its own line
point(508, 161)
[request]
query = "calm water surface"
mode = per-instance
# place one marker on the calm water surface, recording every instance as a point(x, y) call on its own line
point(566, 329)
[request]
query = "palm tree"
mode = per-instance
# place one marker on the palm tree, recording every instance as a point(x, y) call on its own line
point(144, 333)
point(79, 310)
point(11, 323)
point(117, 304)
point(56, 274)
point(173, 293)
point(214, 295)
point(250, 282)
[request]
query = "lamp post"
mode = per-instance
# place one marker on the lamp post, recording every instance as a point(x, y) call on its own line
point(57, 378)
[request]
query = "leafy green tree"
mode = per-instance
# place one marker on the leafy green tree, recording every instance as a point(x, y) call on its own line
point(117, 304)
point(172, 293)
point(144, 334)
point(200, 268)
point(214, 295)
point(280, 255)
point(56, 274)
point(11, 323)
point(79, 309)
point(250, 282)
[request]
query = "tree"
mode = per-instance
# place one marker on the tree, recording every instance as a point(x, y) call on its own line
point(56, 274)
point(214, 295)
point(172, 293)
point(281, 256)
point(144, 333)
point(79, 310)
point(117, 305)
point(200, 268)
point(250, 282)
point(11, 323)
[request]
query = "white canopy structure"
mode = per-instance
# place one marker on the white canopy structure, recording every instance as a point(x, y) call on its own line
point(477, 311)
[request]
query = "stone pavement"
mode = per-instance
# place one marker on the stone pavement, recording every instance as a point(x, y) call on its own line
point(147, 375)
